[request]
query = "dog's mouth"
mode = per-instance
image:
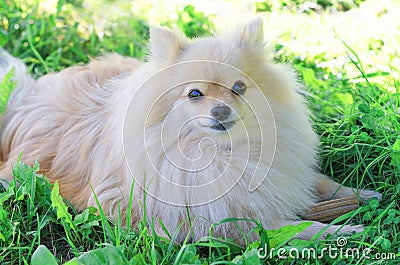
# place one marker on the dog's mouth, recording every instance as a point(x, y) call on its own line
point(222, 126)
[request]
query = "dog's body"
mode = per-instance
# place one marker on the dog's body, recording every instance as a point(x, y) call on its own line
point(101, 123)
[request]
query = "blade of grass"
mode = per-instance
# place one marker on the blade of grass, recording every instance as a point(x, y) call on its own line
point(108, 231)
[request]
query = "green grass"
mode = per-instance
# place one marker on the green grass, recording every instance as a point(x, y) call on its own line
point(355, 113)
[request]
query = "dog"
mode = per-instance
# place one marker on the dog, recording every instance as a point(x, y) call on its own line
point(206, 129)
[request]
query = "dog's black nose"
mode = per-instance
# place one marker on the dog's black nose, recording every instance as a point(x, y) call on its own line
point(221, 112)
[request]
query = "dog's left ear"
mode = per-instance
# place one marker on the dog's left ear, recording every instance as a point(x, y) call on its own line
point(251, 32)
point(166, 44)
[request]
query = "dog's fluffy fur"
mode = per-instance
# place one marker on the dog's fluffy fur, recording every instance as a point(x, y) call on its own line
point(100, 123)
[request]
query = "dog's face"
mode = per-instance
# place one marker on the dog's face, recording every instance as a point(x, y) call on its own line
point(212, 105)
point(212, 89)
point(218, 107)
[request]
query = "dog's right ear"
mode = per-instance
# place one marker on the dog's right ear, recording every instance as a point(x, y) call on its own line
point(166, 44)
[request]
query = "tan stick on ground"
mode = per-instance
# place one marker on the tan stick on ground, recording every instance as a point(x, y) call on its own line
point(327, 211)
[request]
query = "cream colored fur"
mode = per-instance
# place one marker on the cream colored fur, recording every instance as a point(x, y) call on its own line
point(100, 123)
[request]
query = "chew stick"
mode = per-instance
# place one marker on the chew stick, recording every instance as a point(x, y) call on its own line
point(327, 211)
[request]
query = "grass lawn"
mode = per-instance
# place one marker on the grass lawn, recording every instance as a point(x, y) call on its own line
point(347, 55)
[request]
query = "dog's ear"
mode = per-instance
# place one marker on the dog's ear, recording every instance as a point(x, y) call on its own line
point(251, 32)
point(166, 44)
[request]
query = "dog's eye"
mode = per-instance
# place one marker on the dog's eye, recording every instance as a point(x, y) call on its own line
point(239, 87)
point(195, 94)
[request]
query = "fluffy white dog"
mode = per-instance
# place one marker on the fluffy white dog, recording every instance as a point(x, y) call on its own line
point(207, 129)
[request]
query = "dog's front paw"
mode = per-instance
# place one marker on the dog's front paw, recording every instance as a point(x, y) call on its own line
point(342, 229)
point(348, 229)
point(314, 229)
point(368, 194)
point(4, 183)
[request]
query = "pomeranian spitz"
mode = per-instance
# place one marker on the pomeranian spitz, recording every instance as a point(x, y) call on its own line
point(206, 129)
